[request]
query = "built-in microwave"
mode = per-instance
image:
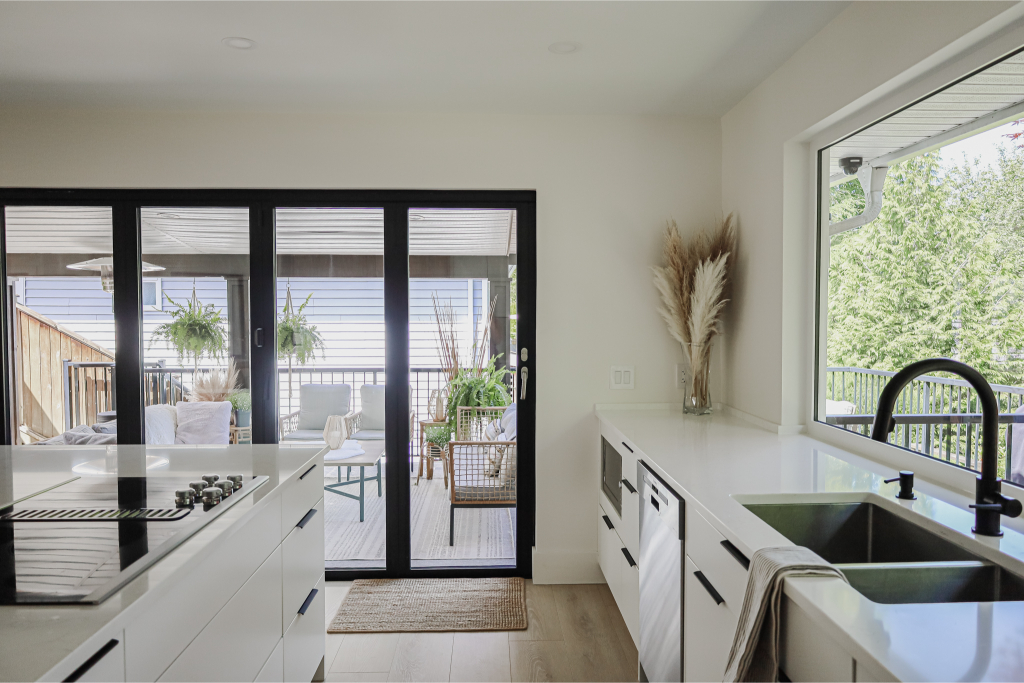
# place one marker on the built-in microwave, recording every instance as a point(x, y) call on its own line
point(611, 474)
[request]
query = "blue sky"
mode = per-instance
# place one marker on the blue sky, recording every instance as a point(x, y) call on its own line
point(984, 146)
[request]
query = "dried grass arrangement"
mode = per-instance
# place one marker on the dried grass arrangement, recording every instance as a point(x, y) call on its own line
point(693, 285)
point(215, 385)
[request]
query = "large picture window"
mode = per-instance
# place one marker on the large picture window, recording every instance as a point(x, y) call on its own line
point(922, 256)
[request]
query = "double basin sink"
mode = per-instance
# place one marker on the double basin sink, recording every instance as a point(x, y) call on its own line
point(887, 557)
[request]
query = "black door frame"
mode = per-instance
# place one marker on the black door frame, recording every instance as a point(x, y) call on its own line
point(126, 205)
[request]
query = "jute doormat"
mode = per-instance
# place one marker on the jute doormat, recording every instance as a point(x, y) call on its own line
point(405, 605)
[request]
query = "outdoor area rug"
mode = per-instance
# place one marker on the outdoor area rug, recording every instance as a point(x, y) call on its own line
point(407, 605)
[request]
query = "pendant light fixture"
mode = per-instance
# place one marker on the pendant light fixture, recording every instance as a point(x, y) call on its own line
point(105, 265)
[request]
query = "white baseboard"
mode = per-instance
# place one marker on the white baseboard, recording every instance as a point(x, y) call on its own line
point(560, 566)
point(764, 424)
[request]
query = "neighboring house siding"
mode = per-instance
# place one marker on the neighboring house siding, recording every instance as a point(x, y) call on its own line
point(348, 313)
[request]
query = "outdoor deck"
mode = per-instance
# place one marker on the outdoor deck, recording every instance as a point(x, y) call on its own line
point(484, 537)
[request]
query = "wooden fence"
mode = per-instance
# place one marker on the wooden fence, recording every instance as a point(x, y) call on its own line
point(40, 347)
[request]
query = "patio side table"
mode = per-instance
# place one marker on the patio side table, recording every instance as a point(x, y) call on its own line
point(373, 451)
point(424, 455)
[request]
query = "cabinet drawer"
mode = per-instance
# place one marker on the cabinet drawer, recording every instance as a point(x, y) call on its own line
point(629, 531)
point(705, 545)
point(608, 545)
point(303, 559)
point(155, 638)
point(628, 599)
point(806, 653)
point(240, 639)
point(304, 641)
point(708, 629)
point(101, 658)
point(301, 494)
point(273, 669)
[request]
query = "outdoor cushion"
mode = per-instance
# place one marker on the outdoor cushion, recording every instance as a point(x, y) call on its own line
point(203, 422)
point(372, 396)
point(508, 417)
point(368, 435)
point(161, 424)
point(317, 402)
point(304, 435)
point(493, 430)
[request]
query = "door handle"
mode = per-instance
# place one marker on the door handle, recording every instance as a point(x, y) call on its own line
point(629, 558)
point(715, 595)
point(629, 486)
point(524, 374)
point(608, 521)
point(92, 661)
point(735, 552)
point(258, 338)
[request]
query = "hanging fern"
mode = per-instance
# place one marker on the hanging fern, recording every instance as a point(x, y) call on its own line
point(296, 338)
point(484, 387)
point(195, 331)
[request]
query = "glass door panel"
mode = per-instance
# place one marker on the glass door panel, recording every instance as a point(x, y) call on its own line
point(462, 265)
point(60, 278)
point(195, 325)
point(330, 336)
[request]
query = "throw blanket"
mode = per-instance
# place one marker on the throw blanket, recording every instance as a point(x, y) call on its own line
point(755, 647)
point(82, 435)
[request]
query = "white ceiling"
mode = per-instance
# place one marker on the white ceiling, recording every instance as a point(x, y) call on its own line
point(88, 230)
point(692, 58)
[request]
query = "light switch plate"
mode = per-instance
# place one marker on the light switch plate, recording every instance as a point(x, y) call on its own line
point(622, 377)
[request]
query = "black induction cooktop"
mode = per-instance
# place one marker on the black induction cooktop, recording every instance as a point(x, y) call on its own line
point(82, 541)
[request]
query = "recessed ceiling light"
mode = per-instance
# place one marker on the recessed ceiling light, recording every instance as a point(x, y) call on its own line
point(564, 48)
point(238, 43)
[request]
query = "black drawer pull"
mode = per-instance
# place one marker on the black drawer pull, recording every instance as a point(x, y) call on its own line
point(305, 518)
point(735, 552)
point(629, 558)
point(629, 486)
point(307, 472)
point(308, 601)
point(709, 588)
point(627, 447)
point(92, 661)
point(608, 521)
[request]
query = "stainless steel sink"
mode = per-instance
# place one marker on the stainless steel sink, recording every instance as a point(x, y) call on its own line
point(855, 533)
point(935, 582)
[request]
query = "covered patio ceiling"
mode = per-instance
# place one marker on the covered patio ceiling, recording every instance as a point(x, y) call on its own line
point(210, 231)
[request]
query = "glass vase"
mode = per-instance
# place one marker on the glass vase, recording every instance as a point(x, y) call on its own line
point(698, 387)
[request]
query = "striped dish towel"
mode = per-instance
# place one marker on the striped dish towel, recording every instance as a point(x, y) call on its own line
point(755, 647)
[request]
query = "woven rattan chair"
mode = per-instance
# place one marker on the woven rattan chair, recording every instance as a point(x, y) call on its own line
point(481, 471)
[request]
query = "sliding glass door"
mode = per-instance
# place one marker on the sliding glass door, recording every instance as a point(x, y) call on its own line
point(392, 328)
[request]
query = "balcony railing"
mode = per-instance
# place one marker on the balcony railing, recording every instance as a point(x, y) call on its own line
point(89, 387)
point(935, 416)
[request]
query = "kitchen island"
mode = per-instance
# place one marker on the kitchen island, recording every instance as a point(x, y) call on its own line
point(719, 464)
point(241, 598)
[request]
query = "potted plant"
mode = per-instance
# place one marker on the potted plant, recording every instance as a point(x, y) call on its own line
point(241, 402)
point(195, 331)
point(297, 339)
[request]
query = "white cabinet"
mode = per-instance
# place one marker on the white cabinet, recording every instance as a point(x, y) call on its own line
point(304, 641)
point(236, 644)
point(718, 558)
point(630, 530)
point(101, 660)
point(620, 571)
point(303, 559)
point(807, 653)
point(273, 669)
point(708, 628)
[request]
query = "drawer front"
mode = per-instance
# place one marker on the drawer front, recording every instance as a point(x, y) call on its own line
point(301, 494)
point(305, 639)
point(101, 659)
point(708, 629)
point(807, 653)
point(608, 545)
point(303, 558)
point(273, 669)
point(630, 529)
point(723, 569)
point(240, 639)
point(628, 599)
point(153, 640)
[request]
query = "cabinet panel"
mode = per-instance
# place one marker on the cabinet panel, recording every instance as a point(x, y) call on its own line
point(607, 548)
point(304, 642)
point(704, 545)
point(239, 640)
point(303, 559)
point(103, 662)
point(273, 670)
point(630, 529)
point(629, 605)
point(155, 638)
point(708, 630)
point(301, 495)
point(807, 653)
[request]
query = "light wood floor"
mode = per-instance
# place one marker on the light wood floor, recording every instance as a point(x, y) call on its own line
point(575, 633)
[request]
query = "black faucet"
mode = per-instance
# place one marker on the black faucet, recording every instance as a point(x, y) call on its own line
point(990, 503)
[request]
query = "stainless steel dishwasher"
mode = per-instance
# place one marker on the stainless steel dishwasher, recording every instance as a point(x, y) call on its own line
point(661, 578)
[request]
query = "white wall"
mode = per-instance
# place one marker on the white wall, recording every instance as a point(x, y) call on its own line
point(604, 189)
point(767, 179)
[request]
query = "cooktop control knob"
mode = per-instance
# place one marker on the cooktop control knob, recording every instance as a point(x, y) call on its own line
point(212, 495)
point(235, 479)
point(210, 479)
point(184, 498)
point(227, 487)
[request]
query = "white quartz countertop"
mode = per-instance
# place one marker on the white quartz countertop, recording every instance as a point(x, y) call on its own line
point(718, 461)
point(34, 638)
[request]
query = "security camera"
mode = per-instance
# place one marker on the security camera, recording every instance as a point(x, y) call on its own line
point(851, 165)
